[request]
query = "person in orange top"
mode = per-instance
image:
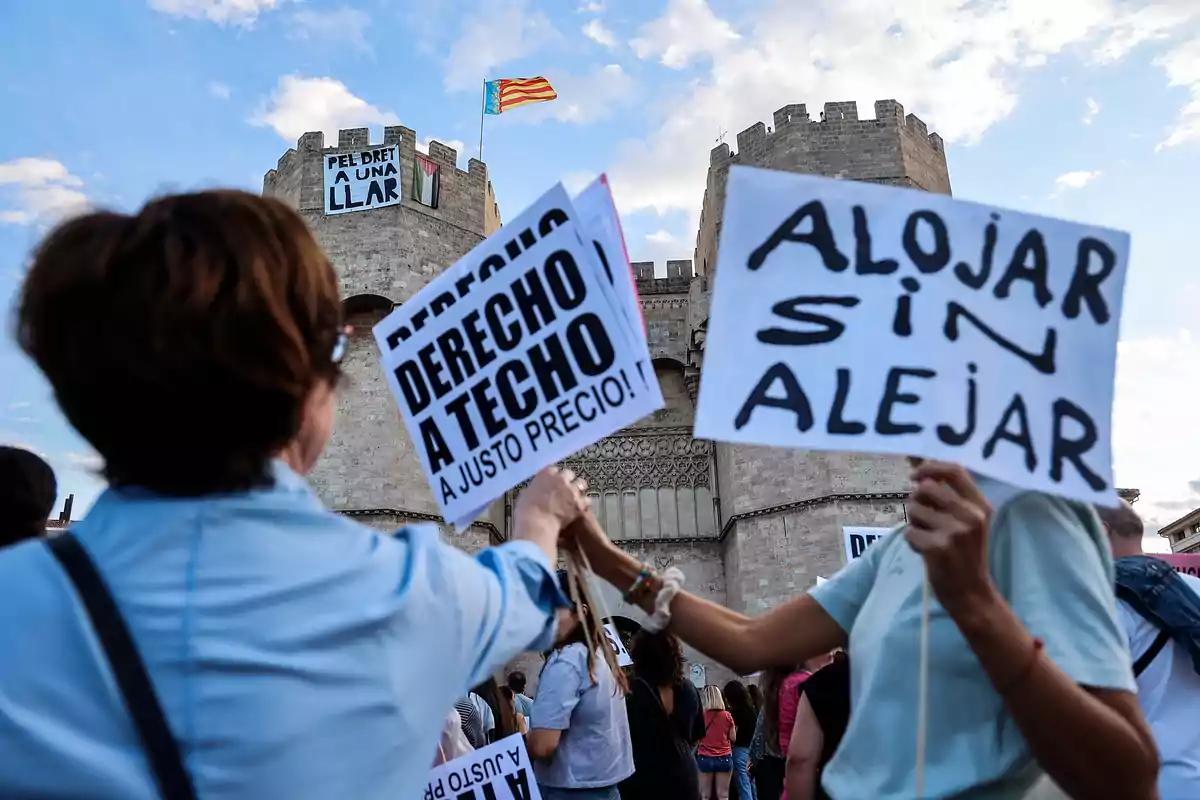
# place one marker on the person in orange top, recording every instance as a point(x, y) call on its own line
point(714, 758)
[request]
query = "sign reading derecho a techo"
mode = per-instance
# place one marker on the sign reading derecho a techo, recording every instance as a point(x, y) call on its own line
point(500, 771)
point(851, 316)
point(362, 180)
point(513, 359)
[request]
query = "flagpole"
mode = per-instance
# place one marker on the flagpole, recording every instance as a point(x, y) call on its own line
point(482, 116)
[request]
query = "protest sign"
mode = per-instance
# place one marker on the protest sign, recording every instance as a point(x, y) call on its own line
point(1188, 564)
point(614, 640)
point(852, 316)
point(598, 215)
point(856, 540)
point(500, 771)
point(362, 180)
point(512, 360)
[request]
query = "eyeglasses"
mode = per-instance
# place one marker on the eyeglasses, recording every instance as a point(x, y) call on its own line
point(339, 346)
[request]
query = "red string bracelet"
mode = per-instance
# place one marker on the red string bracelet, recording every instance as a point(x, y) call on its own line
point(1038, 644)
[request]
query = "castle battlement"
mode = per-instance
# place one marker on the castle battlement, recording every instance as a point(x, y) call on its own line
point(837, 119)
point(466, 197)
point(360, 139)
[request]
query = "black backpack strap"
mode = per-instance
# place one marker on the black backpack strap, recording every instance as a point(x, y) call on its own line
point(162, 751)
point(1151, 653)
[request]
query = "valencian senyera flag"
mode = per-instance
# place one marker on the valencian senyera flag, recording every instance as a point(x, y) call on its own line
point(508, 93)
point(425, 182)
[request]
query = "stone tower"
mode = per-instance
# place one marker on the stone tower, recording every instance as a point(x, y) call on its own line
point(383, 257)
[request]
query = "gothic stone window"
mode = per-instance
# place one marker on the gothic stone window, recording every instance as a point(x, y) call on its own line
point(650, 484)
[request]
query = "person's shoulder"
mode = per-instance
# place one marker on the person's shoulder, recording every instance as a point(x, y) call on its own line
point(25, 567)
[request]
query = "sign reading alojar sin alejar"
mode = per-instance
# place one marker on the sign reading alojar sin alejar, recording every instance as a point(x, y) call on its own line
point(852, 316)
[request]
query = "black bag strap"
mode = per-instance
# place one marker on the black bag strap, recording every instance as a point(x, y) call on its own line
point(166, 761)
point(1151, 653)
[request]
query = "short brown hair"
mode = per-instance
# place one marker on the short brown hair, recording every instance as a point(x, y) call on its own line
point(183, 341)
point(1122, 520)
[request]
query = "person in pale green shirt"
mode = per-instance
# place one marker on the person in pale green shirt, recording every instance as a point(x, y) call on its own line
point(1029, 671)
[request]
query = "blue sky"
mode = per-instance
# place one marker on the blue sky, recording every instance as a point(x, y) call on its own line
point(1083, 109)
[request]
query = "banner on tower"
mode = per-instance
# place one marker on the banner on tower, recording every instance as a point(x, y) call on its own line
point(514, 358)
point(362, 180)
point(852, 316)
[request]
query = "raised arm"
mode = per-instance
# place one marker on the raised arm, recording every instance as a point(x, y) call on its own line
point(1073, 701)
point(788, 634)
point(506, 595)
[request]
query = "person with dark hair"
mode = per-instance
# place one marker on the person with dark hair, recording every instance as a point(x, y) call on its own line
point(275, 648)
point(28, 490)
point(579, 735)
point(1160, 611)
point(821, 718)
point(769, 743)
point(665, 722)
point(756, 698)
point(499, 717)
point(508, 696)
point(745, 716)
point(517, 682)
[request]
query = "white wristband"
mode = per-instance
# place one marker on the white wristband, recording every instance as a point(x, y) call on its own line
point(673, 581)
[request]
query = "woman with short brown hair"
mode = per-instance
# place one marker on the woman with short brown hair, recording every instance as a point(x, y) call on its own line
point(291, 652)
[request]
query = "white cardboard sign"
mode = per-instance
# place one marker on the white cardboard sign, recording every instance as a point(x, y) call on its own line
point(851, 316)
point(500, 771)
point(362, 180)
point(614, 640)
point(856, 540)
point(513, 359)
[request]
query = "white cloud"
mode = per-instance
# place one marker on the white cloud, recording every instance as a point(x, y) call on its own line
point(344, 24)
point(955, 64)
point(222, 12)
point(1074, 180)
point(582, 98)
point(576, 182)
point(1155, 437)
point(43, 189)
point(17, 406)
point(219, 90)
point(28, 420)
point(595, 30)
point(1182, 65)
point(459, 145)
point(300, 104)
point(1093, 108)
point(498, 32)
point(687, 30)
point(661, 237)
point(591, 7)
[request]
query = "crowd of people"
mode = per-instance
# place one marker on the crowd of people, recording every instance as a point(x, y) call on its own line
point(211, 630)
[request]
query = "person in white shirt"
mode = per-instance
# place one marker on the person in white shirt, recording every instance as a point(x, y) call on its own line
point(1168, 686)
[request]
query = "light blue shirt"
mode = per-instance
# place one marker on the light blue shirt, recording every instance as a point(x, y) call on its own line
point(1050, 560)
point(296, 653)
point(595, 749)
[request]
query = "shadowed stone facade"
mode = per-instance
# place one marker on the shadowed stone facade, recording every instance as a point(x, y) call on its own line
point(749, 526)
